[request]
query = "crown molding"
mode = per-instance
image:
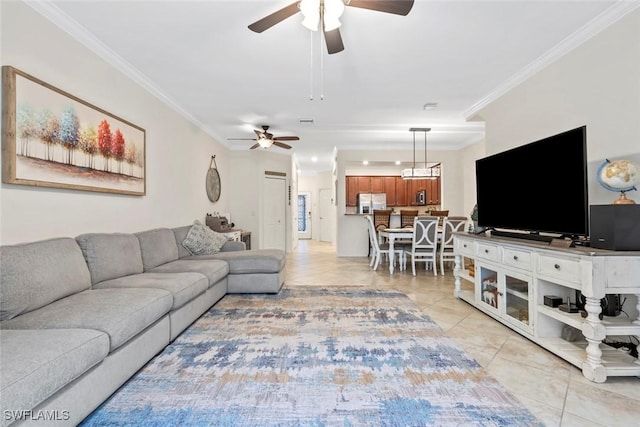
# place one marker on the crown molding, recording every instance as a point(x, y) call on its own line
point(587, 31)
point(54, 14)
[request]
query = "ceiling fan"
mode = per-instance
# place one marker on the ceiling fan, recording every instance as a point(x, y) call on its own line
point(328, 12)
point(266, 139)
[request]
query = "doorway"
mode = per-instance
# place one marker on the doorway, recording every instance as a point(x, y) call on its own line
point(304, 215)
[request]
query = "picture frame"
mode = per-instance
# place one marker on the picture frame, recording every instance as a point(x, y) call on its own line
point(51, 138)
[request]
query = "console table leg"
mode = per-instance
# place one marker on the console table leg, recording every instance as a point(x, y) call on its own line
point(456, 274)
point(594, 332)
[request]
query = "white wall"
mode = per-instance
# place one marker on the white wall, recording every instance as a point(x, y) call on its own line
point(596, 84)
point(468, 157)
point(177, 152)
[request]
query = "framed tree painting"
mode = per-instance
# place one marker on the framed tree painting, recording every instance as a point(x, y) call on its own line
point(51, 138)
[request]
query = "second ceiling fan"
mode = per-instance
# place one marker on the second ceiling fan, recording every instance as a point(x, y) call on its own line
point(327, 13)
point(266, 139)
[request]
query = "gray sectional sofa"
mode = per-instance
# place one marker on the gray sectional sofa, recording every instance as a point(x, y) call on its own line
point(79, 316)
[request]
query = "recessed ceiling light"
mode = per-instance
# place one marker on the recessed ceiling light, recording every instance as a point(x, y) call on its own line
point(398, 162)
point(314, 159)
point(365, 162)
point(430, 106)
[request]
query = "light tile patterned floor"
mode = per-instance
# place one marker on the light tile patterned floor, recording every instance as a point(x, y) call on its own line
point(554, 390)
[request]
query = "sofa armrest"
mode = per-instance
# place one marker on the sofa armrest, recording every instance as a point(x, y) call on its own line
point(233, 245)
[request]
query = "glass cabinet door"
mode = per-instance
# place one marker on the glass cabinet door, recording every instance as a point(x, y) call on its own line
point(507, 294)
point(488, 289)
point(517, 299)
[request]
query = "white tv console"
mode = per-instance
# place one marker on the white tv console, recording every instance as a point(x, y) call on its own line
point(511, 277)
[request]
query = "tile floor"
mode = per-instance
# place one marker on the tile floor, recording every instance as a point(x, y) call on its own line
point(554, 390)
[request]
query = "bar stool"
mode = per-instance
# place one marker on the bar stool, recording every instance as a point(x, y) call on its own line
point(381, 219)
point(407, 216)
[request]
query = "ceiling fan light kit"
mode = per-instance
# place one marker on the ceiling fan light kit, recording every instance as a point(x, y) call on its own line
point(329, 12)
point(265, 143)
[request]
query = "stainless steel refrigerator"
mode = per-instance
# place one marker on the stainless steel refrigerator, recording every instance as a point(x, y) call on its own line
point(364, 203)
point(379, 201)
point(367, 202)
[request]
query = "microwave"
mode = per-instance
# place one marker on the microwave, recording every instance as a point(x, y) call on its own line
point(421, 197)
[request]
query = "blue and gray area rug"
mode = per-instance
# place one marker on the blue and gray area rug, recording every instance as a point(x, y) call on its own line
point(313, 357)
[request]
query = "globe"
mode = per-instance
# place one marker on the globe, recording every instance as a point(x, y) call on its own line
point(620, 176)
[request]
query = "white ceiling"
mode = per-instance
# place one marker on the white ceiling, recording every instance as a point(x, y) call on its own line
point(200, 57)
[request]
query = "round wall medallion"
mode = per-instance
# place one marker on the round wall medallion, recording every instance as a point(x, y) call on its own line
point(213, 182)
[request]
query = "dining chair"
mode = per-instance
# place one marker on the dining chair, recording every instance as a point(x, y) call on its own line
point(379, 249)
point(381, 220)
point(424, 244)
point(450, 225)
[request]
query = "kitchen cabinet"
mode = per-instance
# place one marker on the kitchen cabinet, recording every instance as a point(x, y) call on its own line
point(401, 192)
point(364, 184)
point(352, 190)
point(433, 191)
point(377, 184)
point(431, 186)
point(512, 277)
point(389, 188)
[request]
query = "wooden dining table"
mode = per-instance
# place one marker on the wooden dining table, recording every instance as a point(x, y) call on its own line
point(393, 234)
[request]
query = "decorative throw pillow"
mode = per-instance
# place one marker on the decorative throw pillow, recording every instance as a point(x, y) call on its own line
point(201, 240)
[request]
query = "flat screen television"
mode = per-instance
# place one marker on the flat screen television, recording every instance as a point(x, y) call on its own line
point(540, 187)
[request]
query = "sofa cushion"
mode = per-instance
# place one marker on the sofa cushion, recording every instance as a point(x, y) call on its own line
point(214, 269)
point(37, 363)
point(35, 274)
point(253, 261)
point(111, 255)
point(120, 313)
point(158, 246)
point(184, 287)
point(180, 234)
point(201, 240)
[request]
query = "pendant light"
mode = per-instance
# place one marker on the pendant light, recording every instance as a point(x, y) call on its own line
point(424, 172)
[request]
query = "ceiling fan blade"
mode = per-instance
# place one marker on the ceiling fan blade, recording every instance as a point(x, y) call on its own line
point(397, 7)
point(286, 138)
point(281, 145)
point(276, 17)
point(259, 133)
point(334, 41)
point(256, 145)
point(241, 139)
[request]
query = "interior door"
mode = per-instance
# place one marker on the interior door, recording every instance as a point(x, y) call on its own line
point(274, 218)
point(326, 215)
point(304, 215)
